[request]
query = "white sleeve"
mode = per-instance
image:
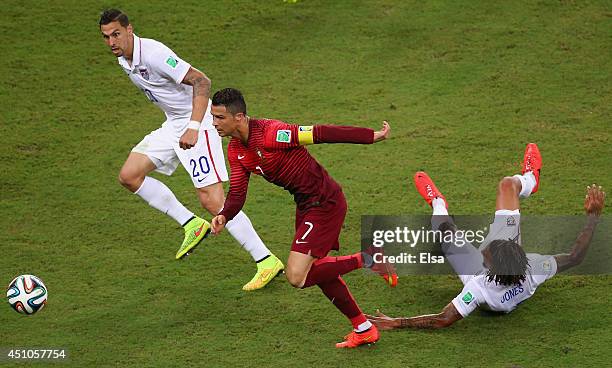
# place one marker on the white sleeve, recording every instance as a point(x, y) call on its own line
point(542, 267)
point(468, 299)
point(168, 64)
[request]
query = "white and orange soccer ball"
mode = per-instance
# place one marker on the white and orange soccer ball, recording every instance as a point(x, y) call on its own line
point(27, 294)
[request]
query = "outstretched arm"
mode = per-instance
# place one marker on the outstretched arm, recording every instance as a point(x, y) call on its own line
point(285, 136)
point(447, 317)
point(346, 134)
point(201, 94)
point(593, 206)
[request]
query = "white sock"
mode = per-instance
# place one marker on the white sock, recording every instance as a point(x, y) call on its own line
point(160, 197)
point(364, 326)
point(528, 182)
point(439, 207)
point(242, 230)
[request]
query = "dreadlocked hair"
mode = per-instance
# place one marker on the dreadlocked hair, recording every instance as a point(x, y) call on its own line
point(509, 263)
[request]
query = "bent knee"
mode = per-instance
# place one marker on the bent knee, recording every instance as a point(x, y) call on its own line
point(211, 199)
point(296, 279)
point(130, 179)
point(508, 184)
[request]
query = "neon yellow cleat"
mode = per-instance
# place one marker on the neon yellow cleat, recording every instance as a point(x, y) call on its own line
point(266, 271)
point(195, 231)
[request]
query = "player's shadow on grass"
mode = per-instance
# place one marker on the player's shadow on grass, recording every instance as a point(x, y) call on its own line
point(490, 314)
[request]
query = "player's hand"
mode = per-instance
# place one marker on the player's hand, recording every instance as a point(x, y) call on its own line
point(189, 139)
point(383, 133)
point(384, 322)
point(218, 224)
point(594, 201)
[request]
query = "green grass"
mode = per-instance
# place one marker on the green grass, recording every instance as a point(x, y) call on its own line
point(464, 84)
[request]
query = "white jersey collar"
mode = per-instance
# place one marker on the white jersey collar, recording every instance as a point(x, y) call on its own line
point(136, 55)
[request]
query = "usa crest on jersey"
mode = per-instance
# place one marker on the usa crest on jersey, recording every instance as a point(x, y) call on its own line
point(144, 73)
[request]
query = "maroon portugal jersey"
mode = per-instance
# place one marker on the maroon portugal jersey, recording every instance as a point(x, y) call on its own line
point(273, 151)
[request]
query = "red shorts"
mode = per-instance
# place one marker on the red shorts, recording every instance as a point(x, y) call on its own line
point(317, 228)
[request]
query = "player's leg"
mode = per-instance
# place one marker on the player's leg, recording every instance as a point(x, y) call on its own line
point(211, 197)
point(364, 332)
point(240, 227)
point(156, 152)
point(298, 265)
point(510, 190)
point(133, 176)
point(317, 232)
point(134, 170)
point(463, 257)
point(304, 270)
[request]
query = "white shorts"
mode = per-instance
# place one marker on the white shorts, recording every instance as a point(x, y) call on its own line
point(466, 259)
point(204, 162)
point(505, 226)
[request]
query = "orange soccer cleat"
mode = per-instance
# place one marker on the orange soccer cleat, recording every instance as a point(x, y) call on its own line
point(426, 188)
point(533, 162)
point(391, 279)
point(387, 271)
point(378, 265)
point(354, 339)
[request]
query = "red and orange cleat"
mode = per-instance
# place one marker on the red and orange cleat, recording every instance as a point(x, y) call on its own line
point(533, 162)
point(426, 188)
point(387, 271)
point(354, 339)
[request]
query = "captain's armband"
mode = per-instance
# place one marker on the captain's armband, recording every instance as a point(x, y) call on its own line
point(305, 135)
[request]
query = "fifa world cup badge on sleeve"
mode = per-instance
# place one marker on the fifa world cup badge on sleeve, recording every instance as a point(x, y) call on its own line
point(467, 298)
point(283, 136)
point(171, 61)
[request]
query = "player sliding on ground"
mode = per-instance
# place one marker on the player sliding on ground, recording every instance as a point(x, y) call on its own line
point(274, 150)
point(499, 275)
point(186, 137)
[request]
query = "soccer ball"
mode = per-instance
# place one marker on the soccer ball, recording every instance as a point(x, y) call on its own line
point(27, 294)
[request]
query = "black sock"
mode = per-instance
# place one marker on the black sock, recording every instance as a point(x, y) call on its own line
point(188, 221)
point(263, 259)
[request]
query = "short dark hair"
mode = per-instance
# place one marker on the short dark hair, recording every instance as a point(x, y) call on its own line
point(112, 15)
point(231, 98)
point(508, 263)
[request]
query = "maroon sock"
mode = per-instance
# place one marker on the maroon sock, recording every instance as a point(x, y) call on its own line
point(338, 293)
point(329, 268)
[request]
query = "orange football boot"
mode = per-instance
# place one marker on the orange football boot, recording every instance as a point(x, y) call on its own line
point(354, 339)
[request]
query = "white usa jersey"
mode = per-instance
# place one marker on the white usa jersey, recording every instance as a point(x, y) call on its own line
point(499, 298)
point(158, 72)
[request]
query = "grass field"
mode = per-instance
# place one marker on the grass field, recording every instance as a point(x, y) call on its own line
point(465, 84)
